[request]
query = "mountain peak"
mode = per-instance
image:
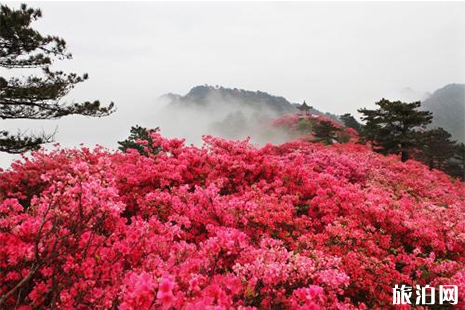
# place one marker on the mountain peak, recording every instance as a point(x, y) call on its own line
point(205, 94)
point(448, 107)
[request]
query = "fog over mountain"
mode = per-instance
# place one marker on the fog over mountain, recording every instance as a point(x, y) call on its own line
point(407, 94)
point(448, 107)
point(339, 56)
point(230, 113)
point(233, 113)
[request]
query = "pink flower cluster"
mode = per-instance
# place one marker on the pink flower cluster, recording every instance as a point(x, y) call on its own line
point(228, 225)
point(297, 126)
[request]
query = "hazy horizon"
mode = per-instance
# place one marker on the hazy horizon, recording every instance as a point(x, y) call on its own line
point(338, 56)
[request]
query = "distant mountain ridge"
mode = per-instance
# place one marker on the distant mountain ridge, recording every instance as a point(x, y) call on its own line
point(448, 107)
point(258, 100)
point(446, 103)
point(206, 95)
point(230, 113)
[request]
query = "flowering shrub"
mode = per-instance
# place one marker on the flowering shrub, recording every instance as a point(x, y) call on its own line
point(310, 127)
point(299, 226)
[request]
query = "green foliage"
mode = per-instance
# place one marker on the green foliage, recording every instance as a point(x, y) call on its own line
point(302, 209)
point(349, 121)
point(455, 166)
point(305, 126)
point(22, 46)
point(20, 143)
point(140, 140)
point(391, 128)
point(326, 132)
point(436, 148)
point(35, 97)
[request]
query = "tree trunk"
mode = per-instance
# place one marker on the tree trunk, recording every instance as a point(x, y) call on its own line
point(404, 156)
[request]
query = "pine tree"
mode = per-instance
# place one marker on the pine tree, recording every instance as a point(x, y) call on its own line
point(455, 166)
point(436, 148)
point(140, 140)
point(391, 128)
point(349, 121)
point(36, 96)
point(325, 131)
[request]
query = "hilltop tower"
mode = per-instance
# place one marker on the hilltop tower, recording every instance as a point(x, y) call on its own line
point(305, 109)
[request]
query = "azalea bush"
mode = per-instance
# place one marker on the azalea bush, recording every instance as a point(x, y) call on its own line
point(314, 128)
point(228, 225)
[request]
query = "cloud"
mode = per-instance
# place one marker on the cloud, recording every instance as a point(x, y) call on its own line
point(337, 56)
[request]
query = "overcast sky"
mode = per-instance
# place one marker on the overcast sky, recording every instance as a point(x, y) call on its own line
point(339, 56)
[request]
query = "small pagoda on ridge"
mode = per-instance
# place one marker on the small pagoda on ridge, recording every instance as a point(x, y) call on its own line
point(305, 109)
